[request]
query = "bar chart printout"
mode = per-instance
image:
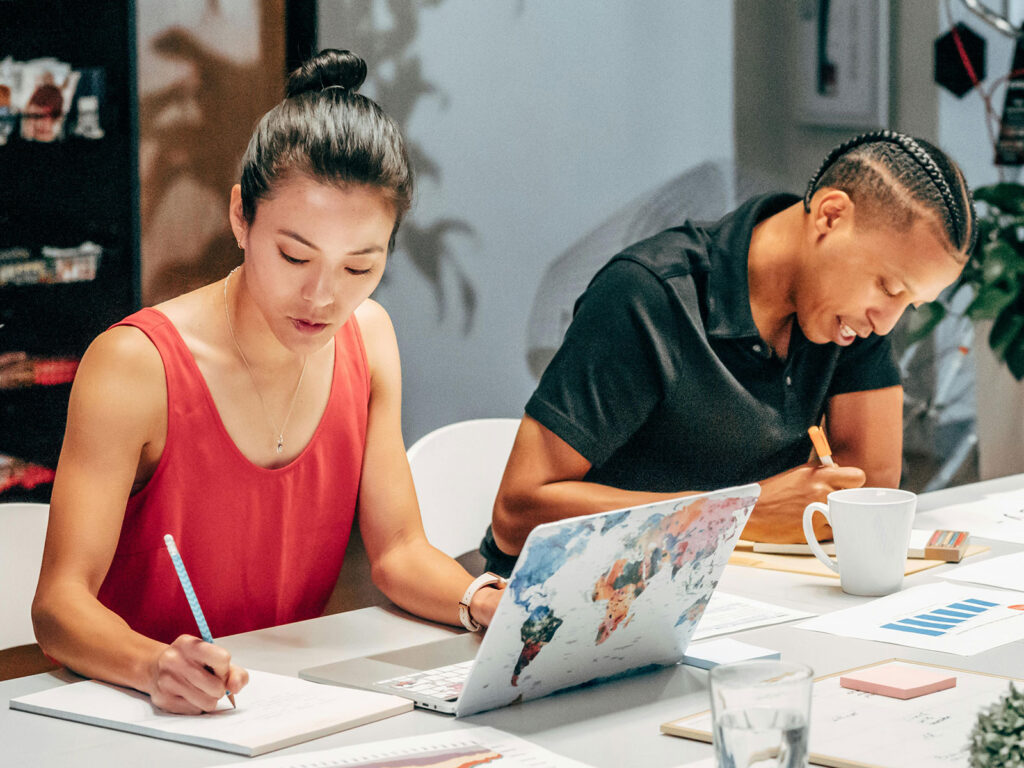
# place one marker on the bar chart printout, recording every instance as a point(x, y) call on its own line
point(952, 618)
point(948, 618)
point(465, 748)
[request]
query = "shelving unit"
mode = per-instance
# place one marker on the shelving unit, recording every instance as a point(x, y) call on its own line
point(63, 194)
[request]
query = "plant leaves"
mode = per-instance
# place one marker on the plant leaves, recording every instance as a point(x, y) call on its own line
point(1005, 330)
point(1007, 197)
point(923, 321)
point(991, 300)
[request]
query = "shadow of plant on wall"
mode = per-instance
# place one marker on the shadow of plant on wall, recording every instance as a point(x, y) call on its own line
point(383, 35)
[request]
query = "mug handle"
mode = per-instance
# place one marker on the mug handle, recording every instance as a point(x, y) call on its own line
point(812, 540)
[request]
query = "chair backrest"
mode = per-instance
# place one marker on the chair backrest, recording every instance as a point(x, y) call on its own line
point(457, 469)
point(22, 532)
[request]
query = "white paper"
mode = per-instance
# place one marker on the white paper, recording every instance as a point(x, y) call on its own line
point(273, 711)
point(725, 650)
point(929, 731)
point(466, 746)
point(1006, 572)
point(953, 618)
point(727, 613)
point(997, 516)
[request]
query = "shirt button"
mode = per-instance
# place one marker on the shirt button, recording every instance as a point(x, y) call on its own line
point(789, 381)
point(757, 347)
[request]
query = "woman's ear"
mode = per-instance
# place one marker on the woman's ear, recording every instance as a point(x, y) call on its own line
point(239, 227)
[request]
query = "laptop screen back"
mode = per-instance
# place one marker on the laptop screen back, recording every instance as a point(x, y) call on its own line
point(606, 594)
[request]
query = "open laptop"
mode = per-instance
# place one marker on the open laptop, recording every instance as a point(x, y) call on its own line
point(590, 598)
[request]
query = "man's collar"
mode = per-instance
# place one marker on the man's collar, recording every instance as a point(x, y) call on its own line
point(728, 297)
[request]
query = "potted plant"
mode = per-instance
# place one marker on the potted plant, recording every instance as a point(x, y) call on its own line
point(997, 739)
point(995, 272)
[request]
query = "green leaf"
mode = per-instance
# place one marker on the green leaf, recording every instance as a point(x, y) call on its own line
point(991, 300)
point(1007, 197)
point(1015, 362)
point(1006, 328)
point(923, 320)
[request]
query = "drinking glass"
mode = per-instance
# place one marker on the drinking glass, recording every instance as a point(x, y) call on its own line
point(760, 712)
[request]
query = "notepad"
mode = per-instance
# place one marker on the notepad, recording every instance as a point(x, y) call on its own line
point(899, 681)
point(273, 711)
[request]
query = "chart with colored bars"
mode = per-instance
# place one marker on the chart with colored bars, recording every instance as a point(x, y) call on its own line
point(464, 748)
point(949, 618)
point(952, 618)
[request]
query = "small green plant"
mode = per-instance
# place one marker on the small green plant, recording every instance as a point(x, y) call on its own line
point(997, 739)
point(995, 272)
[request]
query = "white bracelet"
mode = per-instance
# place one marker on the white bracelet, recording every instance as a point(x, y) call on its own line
point(484, 580)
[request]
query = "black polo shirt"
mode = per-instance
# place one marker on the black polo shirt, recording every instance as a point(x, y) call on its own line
point(663, 382)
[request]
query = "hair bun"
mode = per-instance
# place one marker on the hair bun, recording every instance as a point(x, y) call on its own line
point(329, 68)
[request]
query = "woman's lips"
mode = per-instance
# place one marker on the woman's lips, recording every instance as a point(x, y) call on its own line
point(307, 326)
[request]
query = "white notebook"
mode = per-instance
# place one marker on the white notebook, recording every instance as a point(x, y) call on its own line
point(274, 711)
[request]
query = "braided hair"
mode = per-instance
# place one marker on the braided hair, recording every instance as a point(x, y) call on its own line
point(898, 178)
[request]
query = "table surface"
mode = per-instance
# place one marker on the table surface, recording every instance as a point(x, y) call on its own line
point(614, 724)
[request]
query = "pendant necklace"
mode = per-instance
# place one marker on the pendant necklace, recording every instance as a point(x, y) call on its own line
point(279, 440)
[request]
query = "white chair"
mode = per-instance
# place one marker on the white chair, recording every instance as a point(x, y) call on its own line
point(457, 469)
point(22, 532)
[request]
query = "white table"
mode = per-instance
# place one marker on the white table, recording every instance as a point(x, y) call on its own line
point(611, 725)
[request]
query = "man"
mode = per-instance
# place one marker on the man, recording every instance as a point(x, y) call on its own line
point(698, 358)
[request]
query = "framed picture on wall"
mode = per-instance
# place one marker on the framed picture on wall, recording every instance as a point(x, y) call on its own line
point(843, 69)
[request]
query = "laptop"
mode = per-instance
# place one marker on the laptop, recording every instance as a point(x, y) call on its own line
point(590, 598)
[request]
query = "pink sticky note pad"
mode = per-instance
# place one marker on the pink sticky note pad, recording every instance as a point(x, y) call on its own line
point(898, 680)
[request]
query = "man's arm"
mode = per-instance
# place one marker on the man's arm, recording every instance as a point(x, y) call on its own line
point(543, 482)
point(865, 429)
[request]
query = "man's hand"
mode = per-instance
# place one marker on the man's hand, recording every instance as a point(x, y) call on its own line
point(190, 676)
point(778, 515)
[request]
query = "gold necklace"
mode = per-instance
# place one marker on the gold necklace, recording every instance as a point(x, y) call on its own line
point(279, 442)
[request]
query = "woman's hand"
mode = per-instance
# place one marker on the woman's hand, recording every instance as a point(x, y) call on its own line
point(485, 603)
point(190, 676)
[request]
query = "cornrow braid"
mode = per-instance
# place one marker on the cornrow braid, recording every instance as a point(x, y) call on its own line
point(959, 215)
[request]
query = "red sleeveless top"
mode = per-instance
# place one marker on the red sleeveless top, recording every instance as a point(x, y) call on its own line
point(262, 546)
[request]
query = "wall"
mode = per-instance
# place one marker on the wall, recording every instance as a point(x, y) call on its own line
point(532, 123)
point(962, 128)
point(771, 141)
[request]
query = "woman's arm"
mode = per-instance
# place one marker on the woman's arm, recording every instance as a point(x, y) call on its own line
point(116, 412)
point(404, 565)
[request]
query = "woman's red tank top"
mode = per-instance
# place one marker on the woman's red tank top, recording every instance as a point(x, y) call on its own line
point(261, 546)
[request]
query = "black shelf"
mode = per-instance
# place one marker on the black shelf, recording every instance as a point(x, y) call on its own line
point(63, 194)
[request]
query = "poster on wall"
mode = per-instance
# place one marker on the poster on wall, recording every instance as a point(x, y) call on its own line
point(843, 67)
point(207, 69)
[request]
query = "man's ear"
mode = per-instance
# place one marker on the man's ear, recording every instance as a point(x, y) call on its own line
point(239, 227)
point(829, 207)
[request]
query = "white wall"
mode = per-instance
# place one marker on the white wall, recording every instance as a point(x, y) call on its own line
point(548, 117)
point(963, 132)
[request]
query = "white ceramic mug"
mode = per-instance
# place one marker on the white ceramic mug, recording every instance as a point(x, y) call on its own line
point(871, 529)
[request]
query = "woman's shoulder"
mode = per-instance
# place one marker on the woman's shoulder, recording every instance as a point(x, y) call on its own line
point(378, 337)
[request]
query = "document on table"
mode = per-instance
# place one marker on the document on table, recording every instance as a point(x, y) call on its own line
point(462, 747)
point(952, 618)
point(853, 728)
point(1006, 572)
point(274, 711)
point(995, 516)
point(727, 613)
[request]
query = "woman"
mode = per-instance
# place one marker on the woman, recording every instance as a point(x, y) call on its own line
point(251, 418)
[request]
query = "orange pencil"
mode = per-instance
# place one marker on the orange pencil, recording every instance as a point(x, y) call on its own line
point(821, 445)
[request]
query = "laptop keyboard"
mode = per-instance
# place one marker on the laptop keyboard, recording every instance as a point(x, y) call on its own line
point(444, 683)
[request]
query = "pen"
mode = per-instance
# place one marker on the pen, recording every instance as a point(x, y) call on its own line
point(821, 445)
point(190, 595)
